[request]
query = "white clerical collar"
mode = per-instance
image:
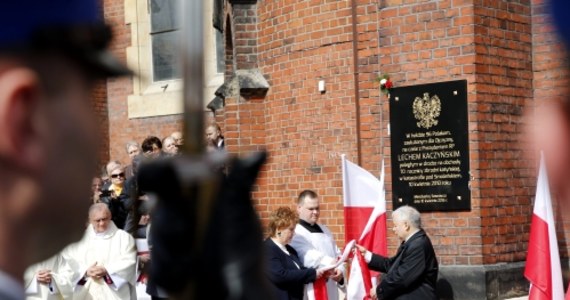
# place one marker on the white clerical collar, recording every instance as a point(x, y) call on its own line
point(11, 287)
point(409, 236)
point(105, 234)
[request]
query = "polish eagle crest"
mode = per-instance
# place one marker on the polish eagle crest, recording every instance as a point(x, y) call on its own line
point(426, 110)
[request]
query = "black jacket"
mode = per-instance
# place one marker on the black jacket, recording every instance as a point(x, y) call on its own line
point(411, 274)
point(288, 280)
point(120, 205)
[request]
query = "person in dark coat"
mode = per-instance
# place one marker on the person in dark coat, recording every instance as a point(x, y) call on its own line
point(284, 268)
point(412, 273)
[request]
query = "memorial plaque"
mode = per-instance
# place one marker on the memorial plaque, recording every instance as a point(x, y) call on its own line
point(430, 146)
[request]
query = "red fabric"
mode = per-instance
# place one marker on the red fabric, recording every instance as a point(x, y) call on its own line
point(365, 274)
point(538, 267)
point(320, 289)
point(375, 239)
point(355, 219)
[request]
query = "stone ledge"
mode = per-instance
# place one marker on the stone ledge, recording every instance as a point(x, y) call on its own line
point(499, 281)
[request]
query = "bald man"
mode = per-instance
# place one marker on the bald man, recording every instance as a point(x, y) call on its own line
point(104, 260)
point(412, 272)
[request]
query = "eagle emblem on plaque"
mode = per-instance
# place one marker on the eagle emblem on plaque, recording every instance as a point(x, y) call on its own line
point(427, 110)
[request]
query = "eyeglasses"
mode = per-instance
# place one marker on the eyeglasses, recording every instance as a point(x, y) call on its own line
point(118, 175)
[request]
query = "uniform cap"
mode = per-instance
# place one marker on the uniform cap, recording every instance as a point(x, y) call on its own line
point(73, 27)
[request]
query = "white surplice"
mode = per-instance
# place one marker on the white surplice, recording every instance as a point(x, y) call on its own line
point(115, 251)
point(60, 285)
point(317, 250)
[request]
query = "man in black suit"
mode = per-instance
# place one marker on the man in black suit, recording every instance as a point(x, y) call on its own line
point(412, 273)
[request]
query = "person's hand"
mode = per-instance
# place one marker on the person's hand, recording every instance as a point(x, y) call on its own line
point(43, 276)
point(145, 257)
point(144, 220)
point(96, 271)
point(336, 275)
point(360, 248)
point(97, 196)
point(320, 273)
point(373, 295)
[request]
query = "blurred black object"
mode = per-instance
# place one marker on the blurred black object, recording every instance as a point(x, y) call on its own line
point(205, 231)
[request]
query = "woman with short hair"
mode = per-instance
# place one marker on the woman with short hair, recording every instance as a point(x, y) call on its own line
point(284, 268)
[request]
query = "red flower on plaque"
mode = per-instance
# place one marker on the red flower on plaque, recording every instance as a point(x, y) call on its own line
point(385, 84)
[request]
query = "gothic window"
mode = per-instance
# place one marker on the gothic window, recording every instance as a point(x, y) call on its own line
point(165, 32)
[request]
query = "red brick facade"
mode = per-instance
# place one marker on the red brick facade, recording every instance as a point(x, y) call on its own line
point(506, 50)
point(121, 129)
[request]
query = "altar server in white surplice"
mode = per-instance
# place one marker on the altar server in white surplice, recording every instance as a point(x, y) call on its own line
point(315, 243)
point(49, 280)
point(104, 260)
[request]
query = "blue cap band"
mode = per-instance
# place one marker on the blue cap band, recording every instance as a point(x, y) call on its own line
point(20, 18)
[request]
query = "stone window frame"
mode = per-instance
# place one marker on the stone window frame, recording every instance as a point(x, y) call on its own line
point(151, 99)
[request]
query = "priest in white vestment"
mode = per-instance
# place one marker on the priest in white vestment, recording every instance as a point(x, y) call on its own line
point(104, 260)
point(49, 280)
point(315, 244)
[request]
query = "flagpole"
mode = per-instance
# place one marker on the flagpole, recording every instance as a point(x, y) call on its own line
point(193, 76)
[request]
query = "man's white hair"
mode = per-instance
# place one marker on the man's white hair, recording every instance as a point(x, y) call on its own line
point(99, 207)
point(410, 214)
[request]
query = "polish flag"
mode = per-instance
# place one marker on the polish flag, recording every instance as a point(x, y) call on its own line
point(317, 290)
point(543, 261)
point(365, 221)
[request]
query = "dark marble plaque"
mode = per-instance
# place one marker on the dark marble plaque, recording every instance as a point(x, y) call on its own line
point(430, 146)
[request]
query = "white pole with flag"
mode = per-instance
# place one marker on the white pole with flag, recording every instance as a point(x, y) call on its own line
point(543, 268)
point(365, 221)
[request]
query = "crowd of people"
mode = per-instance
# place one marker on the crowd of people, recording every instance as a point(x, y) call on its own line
point(112, 259)
point(299, 249)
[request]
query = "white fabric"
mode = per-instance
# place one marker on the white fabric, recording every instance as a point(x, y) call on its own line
point(115, 251)
point(58, 288)
point(543, 210)
point(355, 291)
point(317, 250)
point(361, 188)
point(10, 288)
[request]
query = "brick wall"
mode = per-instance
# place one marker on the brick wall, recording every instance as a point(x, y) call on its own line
point(503, 89)
point(99, 101)
point(300, 43)
point(121, 129)
point(506, 51)
point(488, 44)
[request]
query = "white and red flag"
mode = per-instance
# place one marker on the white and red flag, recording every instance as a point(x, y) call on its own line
point(365, 221)
point(543, 268)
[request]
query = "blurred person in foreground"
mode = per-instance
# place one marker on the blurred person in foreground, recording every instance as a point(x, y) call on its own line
point(44, 122)
point(104, 260)
point(550, 121)
point(412, 272)
point(284, 268)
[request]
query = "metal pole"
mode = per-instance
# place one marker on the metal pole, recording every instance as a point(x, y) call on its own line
point(193, 75)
